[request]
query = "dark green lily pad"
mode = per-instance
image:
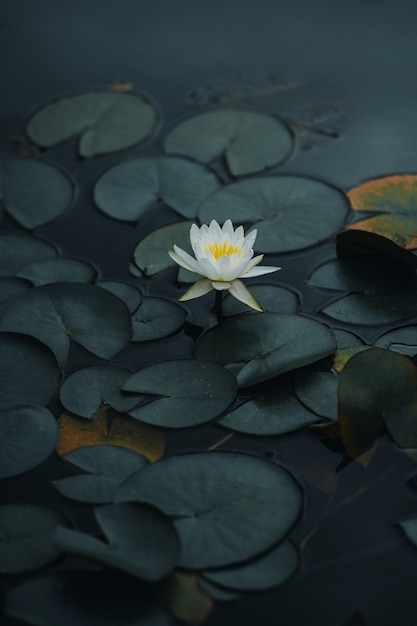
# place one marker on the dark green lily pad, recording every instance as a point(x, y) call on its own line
point(250, 141)
point(289, 212)
point(34, 193)
point(10, 287)
point(28, 435)
point(374, 309)
point(402, 340)
point(59, 270)
point(346, 339)
point(141, 540)
point(131, 188)
point(271, 297)
point(107, 467)
point(84, 599)
point(93, 317)
point(27, 532)
point(269, 570)
point(130, 294)
point(29, 372)
point(151, 254)
point(226, 507)
point(272, 412)
point(189, 392)
point(263, 346)
point(18, 251)
point(104, 121)
point(410, 528)
point(157, 318)
point(216, 592)
point(318, 392)
point(85, 389)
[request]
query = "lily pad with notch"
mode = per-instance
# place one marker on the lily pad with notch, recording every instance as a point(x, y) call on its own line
point(19, 251)
point(130, 294)
point(402, 340)
point(59, 270)
point(318, 392)
point(157, 318)
point(151, 253)
point(271, 297)
point(227, 507)
point(130, 189)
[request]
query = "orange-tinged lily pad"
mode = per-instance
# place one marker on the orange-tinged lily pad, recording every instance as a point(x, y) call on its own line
point(182, 597)
point(76, 432)
point(396, 193)
point(401, 229)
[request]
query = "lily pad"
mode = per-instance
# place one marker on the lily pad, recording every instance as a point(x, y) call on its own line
point(318, 392)
point(400, 229)
point(34, 193)
point(141, 540)
point(374, 309)
point(181, 594)
point(272, 298)
point(131, 188)
point(289, 212)
point(269, 570)
point(85, 389)
point(11, 287)
point(388, 194)
point(188, 392)
point(157, 318)
point(262, 347)
point(271, 412)
point(104, 122)
point(107, 467)
point(18, 251)
point(402, 340)
point(29, 372)
point(250, 141)
point(151, 253)
point(227, 507)
point(93, 317)
point(130, 294)
point(28, 435)
point(27, 532)
point(59, 270)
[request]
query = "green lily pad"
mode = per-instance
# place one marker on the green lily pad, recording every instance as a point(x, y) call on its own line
point(10, 287)
point(157, 318)
point(410, 528)
point(130, 294)
point(189, 392)
point(93, 317)
point(318, 392)
point(272, 412)
point(402, 340)
point(272, 298)
point(151, 253)
point(107, 467)
point(34, 193)
point(84, 390)
point(263, 346)
point(131, 188)
point(84, 599)
point(28, 435)
point(59, 270)
point(346, 339)
point(29, 372)
point(27, 532)
point(396, 193)
point(374, 309)
point(250, 141)
point(289, 212)
point(227, 507)
point(104, 122)
point(18, 251)
point(141, 540)
point(269, 570)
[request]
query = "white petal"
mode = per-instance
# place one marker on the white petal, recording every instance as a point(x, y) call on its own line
point(258, 271)
point(208, 267)
point(184, 259)
point(250, 237)
point(215, 230)
point(195, 235)
point(221, 285)
point(242, 293)
point(200, 288)
point(228, 228)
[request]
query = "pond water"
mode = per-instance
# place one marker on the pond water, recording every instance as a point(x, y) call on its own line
point(339, 77)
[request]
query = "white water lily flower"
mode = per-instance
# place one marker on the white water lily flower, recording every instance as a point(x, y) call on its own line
point(223, 256)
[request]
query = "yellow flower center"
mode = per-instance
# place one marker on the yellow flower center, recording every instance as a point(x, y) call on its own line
point(219, 249)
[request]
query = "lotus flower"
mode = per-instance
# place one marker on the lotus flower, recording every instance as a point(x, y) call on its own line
point(223, 255)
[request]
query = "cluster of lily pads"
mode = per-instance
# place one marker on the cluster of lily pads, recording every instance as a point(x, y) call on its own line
point(223, 514)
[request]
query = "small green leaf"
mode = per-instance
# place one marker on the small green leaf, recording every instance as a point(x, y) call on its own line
point(151, 253)
point(156, 318)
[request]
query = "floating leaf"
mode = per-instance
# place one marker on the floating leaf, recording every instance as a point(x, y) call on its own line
point(377, 389)
point(289, 212)
point(84, 390)
point(318, 392)
point(180, 594)
point(130, 294)
point(271, 412)
point(11, 287)
point(226, 507)
point(389, 194)
point(157, 318)
point(272, 298)
point(373, 309)
point(348, 344)
point(131, 188)
point(104, 121)
point(400, 229)
point(141, 540)
point(107, 468)
point(189, 392)
point(93, 317)
point(251, 142)
point(27, 536)
point(342, 356)
point(151, 253)
point(75, 432)
point(28, 435)
point(18, 251)
point(263, 346)
point(402, 340)
point(34, 193)
point(59, 270)
point(269, 570)
point(28, 371)
point(410, 528)
point(217, 593)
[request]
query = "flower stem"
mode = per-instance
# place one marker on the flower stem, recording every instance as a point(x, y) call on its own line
point(218, 304)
